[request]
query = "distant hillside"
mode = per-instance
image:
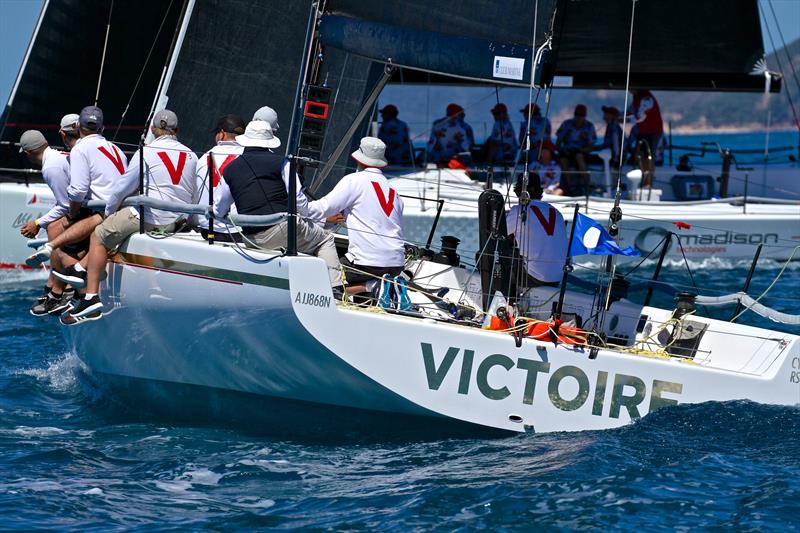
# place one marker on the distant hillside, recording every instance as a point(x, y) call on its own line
point(687, 111)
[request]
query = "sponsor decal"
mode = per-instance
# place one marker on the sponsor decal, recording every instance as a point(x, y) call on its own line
point(509, 68)
point(649, 238)
point(628, 392)
point(31, 198)
point(795, 375)
point(23, 218)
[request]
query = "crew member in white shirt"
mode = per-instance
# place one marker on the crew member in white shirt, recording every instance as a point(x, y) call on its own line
point(269, 115)
point(170, 169)
point(95, 166)
point(225, 151)
point(55, 172)
point(374, 214)
point(541, 237)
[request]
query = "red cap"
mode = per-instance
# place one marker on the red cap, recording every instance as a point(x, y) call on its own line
point(536, 109)
point(610, 109)
point(580, 110)
point(389, 109)
point(549, 146)
point(499, 108)
point(454, 109)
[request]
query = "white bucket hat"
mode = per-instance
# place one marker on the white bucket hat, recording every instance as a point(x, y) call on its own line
point(371, 153)
point(258, 133)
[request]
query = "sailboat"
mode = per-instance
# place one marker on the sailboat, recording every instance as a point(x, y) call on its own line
point(180, 313)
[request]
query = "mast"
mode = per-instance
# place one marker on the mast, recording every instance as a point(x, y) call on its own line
point(294, 130)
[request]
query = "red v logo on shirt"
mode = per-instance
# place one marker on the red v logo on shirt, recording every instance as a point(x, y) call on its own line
point(174, 173)
point(116, 158)
point(217, 171)
point(549, 225)
point(386, 205)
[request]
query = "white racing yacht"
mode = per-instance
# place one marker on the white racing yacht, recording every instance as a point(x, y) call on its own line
point(180, 312)
point(729, 228)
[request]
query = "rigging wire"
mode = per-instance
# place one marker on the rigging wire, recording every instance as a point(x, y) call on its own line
point(144, 67)
point(615, 215)
point(780, 66)
point(103, 57)
point(785, 48)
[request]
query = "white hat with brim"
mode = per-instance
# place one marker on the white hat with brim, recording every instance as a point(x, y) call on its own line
point(258, 134)
point(371, 153)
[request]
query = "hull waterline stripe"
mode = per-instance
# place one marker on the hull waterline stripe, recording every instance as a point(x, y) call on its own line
point(200, 271)
point(15, 266)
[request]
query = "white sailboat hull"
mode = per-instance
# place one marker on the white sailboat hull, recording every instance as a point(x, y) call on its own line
point(180, 311)
point(724, 230)
point(20, 204)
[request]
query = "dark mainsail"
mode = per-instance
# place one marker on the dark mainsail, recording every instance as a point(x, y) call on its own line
point(238, 55)
point(677, 44)
point(61, 73)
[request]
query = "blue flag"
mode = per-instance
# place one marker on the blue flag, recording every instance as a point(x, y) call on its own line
point(592, 238)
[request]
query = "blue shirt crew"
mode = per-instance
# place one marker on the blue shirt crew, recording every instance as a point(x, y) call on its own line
point(504, 140)
point(574, 138)
point(394, 134)
point(540, 130)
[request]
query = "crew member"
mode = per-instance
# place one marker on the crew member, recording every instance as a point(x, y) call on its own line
point(539, 130)
point(575, 138)
point(225, 151)
point(55, 172)
point(394, 133)
point(649, 130)
point(450, 136)
point(613, 136)
point(258, 182)
point(169, 175)
point(502, 145)
point(374, 214)
point(548, 170)
point(541, 237)
point(267, 114)
point(95, 166)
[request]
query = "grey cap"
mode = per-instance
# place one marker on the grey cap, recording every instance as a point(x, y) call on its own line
point(166, 120)
point(69, 123)
point(91, 118)
point(31, 140)
point(267, 114)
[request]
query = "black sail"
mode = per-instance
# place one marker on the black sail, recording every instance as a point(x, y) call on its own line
point(677, 44)
point(63, 67)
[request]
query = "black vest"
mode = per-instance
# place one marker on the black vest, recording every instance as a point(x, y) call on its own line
point(256, 183)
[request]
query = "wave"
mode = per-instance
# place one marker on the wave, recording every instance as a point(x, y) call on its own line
point(61, 374)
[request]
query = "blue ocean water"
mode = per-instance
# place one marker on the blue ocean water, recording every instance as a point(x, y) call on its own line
point(71, 458)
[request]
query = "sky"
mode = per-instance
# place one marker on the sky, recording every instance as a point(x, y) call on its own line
point(18, 19)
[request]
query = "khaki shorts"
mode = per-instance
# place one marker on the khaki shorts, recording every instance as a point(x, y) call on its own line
point(119, 226)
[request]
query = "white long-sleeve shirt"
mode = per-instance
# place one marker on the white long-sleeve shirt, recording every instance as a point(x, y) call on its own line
point(169, 174)
point(374, 214)
point(55, 171)
point(226, 203)
point(95, 165)
point(223, 153)
point(542, 239)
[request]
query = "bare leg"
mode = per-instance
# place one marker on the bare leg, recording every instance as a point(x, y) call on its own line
point(583, 176)
point(77, 231)
point(54, 229)
point(95, 264)
point(356, 289)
